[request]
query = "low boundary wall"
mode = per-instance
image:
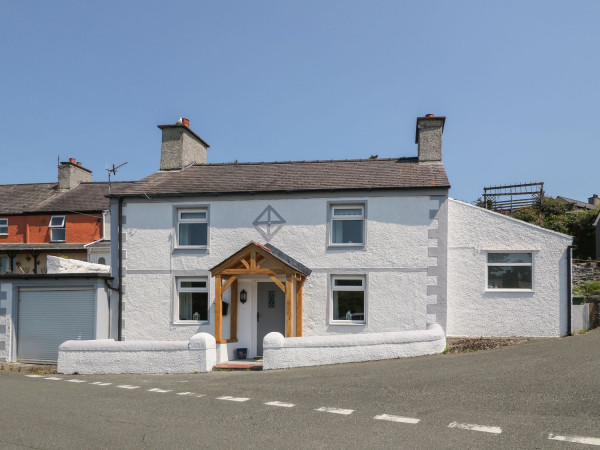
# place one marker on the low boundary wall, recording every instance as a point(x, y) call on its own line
point(282, 353)
point(105, 356)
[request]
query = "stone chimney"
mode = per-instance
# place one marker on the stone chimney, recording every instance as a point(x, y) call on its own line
point(594, 200)
point(181, 147)
point(71, 173)
point(429, 137)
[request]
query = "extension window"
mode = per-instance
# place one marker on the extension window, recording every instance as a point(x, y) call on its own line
point(510, 271)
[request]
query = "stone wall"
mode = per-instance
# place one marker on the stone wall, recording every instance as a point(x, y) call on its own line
point(584, 271)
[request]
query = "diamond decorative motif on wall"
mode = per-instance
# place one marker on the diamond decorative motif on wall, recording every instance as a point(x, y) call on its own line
point(269, 222)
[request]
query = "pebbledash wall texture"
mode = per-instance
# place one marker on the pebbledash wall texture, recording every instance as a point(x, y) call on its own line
point(475, 310)
point(403, 261)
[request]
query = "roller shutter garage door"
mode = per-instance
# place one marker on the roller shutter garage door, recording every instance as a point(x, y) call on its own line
point(49, 317)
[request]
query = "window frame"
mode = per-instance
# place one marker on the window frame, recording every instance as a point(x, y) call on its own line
point(488, 264)
point(347, 204)
point(4, 219)
point(362, 288)
point(179, 289)
point(177, 210)
point(62, 226)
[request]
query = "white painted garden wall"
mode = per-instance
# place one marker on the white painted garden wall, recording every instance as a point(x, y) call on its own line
point(109, 356)
point(475, 311)
point(395, 260)
point(283, 353)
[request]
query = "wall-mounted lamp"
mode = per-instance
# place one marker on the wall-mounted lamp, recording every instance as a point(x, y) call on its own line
point(243, 296)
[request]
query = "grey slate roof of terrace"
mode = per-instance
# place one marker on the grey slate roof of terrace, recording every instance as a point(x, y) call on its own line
point(292, 176)
point(85, 197)
point(18, 198)
point(37, 198)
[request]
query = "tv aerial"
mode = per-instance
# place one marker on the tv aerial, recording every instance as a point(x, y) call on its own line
point(113, 170)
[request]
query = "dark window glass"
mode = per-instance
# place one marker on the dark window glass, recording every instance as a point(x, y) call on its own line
point(193, 233)
point(509, 277)
point(193, 306)
point(349, 305)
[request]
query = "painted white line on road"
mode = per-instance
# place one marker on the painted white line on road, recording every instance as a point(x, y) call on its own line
point(127, 386)
point(35, 376)
point(73, 380)
point(160, 391)
point(400, 419)
point(100, 383)
point(52, 378)
point(474, 427)
point(185, 393)
point(201, 395)
point(233, 399)
point(575, 439)
point(282, 404)
point(344, 412)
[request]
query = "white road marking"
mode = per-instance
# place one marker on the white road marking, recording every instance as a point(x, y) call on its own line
point(201, 395)
point(474, 427)
point(185, 393)
point(344, 412)
point(400, 419)
point(100, 383)
point(127, 386)
point(73, 380)
point(575, 439)
point(282, 404)
point(35, 376)
point(233, 399)
point(52, 378)
point(161, 391)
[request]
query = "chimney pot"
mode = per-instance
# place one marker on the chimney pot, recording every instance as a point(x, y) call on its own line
point(79, 163)
point(72, 160)
point(429, 115)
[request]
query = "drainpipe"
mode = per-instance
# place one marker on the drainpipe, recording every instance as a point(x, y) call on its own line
point(569, 286)
point(120, 251)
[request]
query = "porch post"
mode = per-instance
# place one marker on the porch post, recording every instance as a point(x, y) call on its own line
point(218, 309)
point(234, 311)
point(299, 289)
point(288, 305)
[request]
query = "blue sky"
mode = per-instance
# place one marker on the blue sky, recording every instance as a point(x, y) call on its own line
point(280, 80)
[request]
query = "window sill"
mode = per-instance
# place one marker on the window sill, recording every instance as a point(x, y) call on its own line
point(348, 323)
point(508, 290)
point(57, 241)
point(346, 246)
point(191, 322)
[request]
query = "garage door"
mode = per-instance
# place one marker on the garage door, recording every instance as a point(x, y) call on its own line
point(48, 317)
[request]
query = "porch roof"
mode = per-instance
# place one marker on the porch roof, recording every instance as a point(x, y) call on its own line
point(266, 251)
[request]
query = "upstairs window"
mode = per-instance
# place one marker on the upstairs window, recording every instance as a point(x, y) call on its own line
point(192, 302)
point(3, 226)
point(348, 299)
point(510, 271)
point(4, 264)
point(57, 229)
point(192, 227)
point(347, 225)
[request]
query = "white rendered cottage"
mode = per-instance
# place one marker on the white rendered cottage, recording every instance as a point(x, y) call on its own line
point(343, 260)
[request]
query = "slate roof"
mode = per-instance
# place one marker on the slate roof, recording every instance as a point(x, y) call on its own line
point(285, 258)
point(43, 246)
point(292, 176)
point(18, 199)
point(85, 197)
point(577, 203)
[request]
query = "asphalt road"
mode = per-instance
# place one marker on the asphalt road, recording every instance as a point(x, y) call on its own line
point(543, 394)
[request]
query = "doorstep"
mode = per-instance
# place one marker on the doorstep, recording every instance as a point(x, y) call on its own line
point(240, 364)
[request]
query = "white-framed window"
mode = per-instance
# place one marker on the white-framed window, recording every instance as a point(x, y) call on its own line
point(191, 304)
point(348, 299)
point(57, 229)
point(3, 226)
point(510, 271)
point(192, 227)
point(347, 224)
